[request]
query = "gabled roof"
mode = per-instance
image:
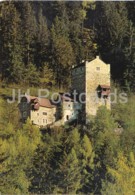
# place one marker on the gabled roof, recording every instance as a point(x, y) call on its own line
point(43, 102)
point(96, 61)
point(84, 63)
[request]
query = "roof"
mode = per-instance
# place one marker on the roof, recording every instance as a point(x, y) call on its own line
point(80, 65)
point(66, 97)
point(106, 92)
point(43, 102)
point(98, 59)
point(105, 86)
point(83, 63)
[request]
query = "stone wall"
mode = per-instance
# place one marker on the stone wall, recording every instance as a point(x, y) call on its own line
point(86, 79)
point(97, 73)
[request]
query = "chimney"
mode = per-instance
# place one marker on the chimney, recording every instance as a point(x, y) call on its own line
point(97, 57)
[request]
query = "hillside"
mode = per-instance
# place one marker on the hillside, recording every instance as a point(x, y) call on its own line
point(40, 41)
point(39, 44)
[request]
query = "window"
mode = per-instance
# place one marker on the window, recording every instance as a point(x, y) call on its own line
point(24, 105)
point(37, 114)
point(24, 114)
point(98, 68)
point(44, 113)
point(105, 102)
point(45, 121)
point(67, 117)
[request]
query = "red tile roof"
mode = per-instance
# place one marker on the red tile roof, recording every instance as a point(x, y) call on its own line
point(43, 102)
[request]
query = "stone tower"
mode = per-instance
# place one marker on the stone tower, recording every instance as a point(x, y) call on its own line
point(91, 80)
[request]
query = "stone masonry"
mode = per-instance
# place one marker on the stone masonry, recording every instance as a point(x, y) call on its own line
point(86, 78)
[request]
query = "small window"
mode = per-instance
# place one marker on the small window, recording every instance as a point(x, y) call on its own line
point(44, 113)
point(24, 105)
point(98, 68)
point(37, 114)
point(45, 121)
point(24, 114)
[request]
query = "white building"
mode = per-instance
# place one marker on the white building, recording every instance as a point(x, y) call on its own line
point(70, 108)
point(41, 111)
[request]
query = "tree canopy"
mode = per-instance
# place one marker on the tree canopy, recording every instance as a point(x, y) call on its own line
point(61, 34)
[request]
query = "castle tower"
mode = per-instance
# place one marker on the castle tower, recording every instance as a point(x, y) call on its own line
point(92, 79)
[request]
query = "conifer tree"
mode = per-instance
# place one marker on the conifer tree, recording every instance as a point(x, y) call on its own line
point(124, 114)
point(105, 142)
point(121, 178)
point(42, 41)
point(17, 149)
point(11, 43)
point(111, 32)
point(87, 165)
point(68, 175)
point(42, 173)
point(29, 32)
point(62, 52)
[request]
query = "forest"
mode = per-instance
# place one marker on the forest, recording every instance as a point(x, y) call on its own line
point(42, 40)
point(39, 43)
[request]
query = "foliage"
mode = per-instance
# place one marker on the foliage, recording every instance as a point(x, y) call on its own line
point(61, 59)
point(40, 41)
point(17, 149)
point(11, 47)
point(71, 160)
point(122, 177)
point(31, 75)
point(124, 114)
point(61, 34)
